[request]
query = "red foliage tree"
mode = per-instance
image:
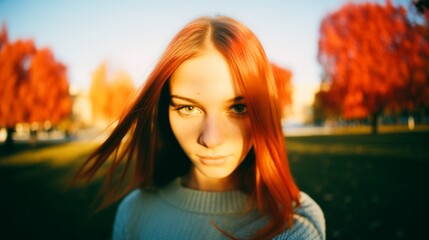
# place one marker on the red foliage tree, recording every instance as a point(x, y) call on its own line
point(422, 7)
point(283, 78)
point(33, 85)
point(416, 60)
point(370, 61)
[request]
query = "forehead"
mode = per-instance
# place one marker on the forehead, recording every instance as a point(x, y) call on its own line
point(205, 75)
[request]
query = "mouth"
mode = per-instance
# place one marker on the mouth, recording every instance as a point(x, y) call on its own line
point(212, 160)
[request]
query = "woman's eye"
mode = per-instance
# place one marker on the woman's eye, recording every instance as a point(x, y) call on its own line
point(189, 110)
point(239, 109)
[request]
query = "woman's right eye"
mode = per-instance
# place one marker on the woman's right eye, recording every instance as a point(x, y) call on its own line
point(188, 110)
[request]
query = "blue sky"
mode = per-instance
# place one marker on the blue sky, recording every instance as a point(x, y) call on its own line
point(131, 35)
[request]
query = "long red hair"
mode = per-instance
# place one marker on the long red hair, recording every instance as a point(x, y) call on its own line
point(144, 142)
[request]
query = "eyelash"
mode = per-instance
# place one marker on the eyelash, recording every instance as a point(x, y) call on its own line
point(181, 108)
point(243, 106)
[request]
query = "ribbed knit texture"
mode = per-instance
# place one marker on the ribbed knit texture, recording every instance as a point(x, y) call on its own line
point(176, 212)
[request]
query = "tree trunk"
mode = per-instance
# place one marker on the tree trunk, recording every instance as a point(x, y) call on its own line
point(374, 123)
point(9, 144)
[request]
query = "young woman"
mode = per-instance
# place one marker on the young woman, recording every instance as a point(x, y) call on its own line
point(204, 142)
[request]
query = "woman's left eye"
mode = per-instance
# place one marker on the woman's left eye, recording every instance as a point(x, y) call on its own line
point(239, 109)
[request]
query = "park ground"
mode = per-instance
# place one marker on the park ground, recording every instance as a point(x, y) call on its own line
point(369, 187)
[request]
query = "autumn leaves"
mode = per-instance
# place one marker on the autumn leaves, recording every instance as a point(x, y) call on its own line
point(33, 84)
point(109, 93)
point(375, 59)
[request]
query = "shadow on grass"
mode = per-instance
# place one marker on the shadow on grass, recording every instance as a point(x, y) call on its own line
point(370, 187)
point(22, 146)
point(37, 202)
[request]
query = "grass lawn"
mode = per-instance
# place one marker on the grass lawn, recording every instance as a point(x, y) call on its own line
point(37, 201)
point(370, 187)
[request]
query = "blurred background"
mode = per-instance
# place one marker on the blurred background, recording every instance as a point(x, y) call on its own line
point(353, 80)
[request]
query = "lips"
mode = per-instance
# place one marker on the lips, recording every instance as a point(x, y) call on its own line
point(213, 160)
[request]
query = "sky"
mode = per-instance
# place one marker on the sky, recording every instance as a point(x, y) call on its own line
point(131, 35)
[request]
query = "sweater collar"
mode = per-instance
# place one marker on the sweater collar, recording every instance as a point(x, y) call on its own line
point(206, 202)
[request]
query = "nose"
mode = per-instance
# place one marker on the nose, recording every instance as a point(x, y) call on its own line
point(212, 132)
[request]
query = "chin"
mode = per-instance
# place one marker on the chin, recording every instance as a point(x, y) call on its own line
point(216, 174)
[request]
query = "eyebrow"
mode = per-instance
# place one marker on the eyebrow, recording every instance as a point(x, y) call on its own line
point(236, 99)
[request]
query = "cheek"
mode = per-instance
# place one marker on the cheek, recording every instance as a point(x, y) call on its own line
point(183, 129)
point(246, 136)
point(240, 137)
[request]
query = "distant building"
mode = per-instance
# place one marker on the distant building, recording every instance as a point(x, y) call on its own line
point(81, 110)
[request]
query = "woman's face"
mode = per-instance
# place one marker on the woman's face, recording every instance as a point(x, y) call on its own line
point(209, 118)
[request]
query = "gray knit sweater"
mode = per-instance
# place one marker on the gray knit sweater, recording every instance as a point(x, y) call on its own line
point(176, 212)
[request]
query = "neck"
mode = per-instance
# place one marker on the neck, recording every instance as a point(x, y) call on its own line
point(196, 181)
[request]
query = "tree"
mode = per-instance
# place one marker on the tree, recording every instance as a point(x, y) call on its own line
point(33, 86)
point(3, 36)
point(370, 62)
point(98, 92)
point(108, 94)
point(412, 94)
point(422, 7)
point(283, 78)
point(418, 57)
point(325, 106)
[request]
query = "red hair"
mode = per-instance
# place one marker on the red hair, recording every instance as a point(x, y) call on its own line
point(151, 143)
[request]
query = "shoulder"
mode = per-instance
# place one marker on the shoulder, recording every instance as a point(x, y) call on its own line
point(123, 212)
point(136, 203)
point(309, 216)
point(135, 199)
point(131, 198)
point(127, 204)
point(131, 210)
point(309, 221)
point(310, 209)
